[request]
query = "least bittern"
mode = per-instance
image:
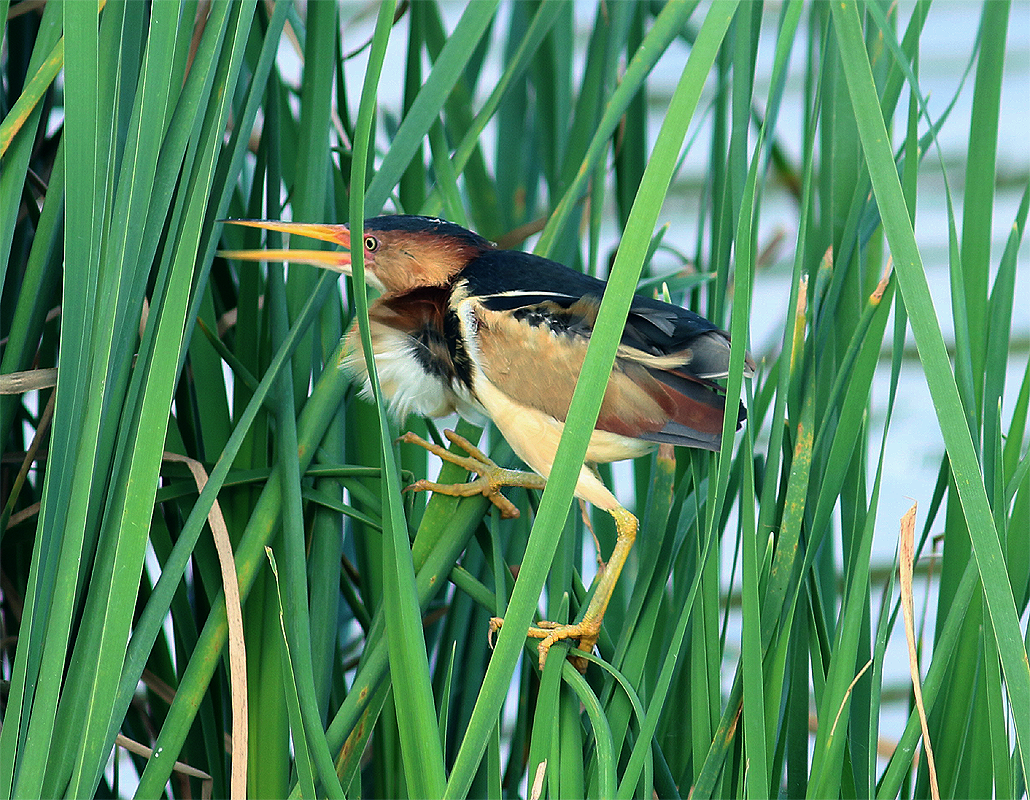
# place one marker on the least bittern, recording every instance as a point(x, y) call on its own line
point(500, 334)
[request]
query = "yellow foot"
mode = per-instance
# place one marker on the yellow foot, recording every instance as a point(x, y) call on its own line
point(548, 633)
point(491, 477)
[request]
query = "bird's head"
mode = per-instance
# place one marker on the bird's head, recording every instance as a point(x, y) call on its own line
point(401, 252)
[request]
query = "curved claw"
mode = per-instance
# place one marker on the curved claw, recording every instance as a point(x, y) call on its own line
point(552, 632)
point(491, 477)
point(482, 485)
point(495, 625)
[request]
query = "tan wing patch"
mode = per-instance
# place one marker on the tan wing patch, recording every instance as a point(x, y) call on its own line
point(538, 369)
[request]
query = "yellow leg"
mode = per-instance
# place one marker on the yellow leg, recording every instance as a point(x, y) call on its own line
point(491, 477)
point(588, 629)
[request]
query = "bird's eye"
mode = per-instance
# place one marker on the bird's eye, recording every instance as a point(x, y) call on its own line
point(371, 244)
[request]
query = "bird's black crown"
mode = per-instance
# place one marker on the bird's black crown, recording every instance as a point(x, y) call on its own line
point(410, 223)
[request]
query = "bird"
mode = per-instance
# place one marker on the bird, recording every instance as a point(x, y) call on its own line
point(463, 326)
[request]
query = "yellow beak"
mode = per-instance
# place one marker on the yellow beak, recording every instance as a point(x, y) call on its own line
point(334, 260)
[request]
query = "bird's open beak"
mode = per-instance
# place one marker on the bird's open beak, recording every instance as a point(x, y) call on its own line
point(326, 259)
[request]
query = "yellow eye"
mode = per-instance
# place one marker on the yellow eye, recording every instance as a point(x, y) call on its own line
point(371, 244)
